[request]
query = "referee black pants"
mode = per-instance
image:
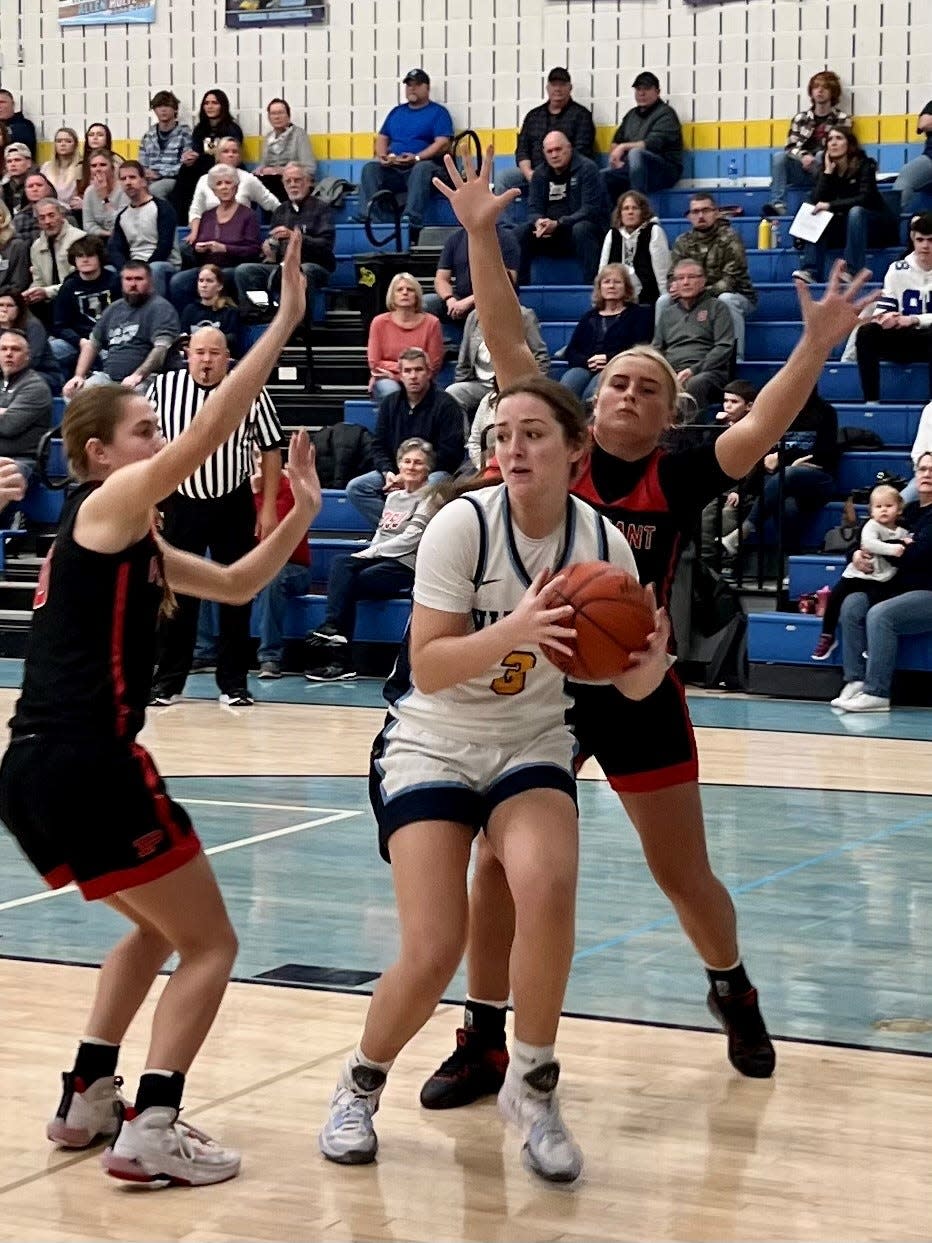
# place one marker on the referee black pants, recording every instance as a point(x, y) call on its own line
point(226, 527)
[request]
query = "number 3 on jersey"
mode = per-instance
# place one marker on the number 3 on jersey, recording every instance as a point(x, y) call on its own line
point(517, 666)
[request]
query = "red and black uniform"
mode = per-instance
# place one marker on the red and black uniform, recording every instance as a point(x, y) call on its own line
point(83, 799)
point(656, 503)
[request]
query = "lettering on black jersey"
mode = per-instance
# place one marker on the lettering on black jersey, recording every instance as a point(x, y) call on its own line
point(638, 534)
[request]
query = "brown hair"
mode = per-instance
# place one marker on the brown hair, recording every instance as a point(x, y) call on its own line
point(92, 414)
point(223, 299)
point(851, 161)
point(623, 275)
point(642, 201)
point(562, 403)
point(826, 77)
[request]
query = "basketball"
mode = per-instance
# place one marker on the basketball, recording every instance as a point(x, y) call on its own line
point(613, 617)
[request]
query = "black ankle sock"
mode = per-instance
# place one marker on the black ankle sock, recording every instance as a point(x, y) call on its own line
point(488, 1022)
point(729, 983)
point(95, 1061)
point(159, 1090)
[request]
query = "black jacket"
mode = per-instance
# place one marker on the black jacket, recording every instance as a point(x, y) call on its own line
point(343, 451)
point(437, 418)
point(315, 220)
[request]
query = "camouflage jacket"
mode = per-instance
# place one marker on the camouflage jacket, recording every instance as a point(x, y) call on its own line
point(721, 253)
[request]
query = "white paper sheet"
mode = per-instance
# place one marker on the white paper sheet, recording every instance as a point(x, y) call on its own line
point(810, 225)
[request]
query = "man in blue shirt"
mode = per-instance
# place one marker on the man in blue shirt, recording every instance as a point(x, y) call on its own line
point(409, 150)
point(452, 299)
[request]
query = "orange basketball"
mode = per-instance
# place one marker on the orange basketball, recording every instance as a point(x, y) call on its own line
point(613, 617)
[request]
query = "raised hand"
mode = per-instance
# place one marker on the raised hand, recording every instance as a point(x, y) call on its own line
point(472, 199)
point(834, 317)
point(302, 474)
point(293, 299)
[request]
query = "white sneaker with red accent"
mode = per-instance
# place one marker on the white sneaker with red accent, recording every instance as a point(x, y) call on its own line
point(86, 1114)
point(154, 1147)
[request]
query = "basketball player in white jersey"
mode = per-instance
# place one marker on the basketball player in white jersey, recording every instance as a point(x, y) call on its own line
point(475, 739)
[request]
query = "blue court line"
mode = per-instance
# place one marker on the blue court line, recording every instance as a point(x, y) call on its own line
point(666, 921)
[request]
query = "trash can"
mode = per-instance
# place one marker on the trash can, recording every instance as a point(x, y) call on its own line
point(374, 273)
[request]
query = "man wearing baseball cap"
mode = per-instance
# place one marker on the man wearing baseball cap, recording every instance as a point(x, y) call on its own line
point(647, 148)
point(409, 149)
point(560, 112)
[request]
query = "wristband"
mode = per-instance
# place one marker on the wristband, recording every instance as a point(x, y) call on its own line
point(417, 159)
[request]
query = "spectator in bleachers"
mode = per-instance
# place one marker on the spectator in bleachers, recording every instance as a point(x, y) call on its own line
point(135, 335)
point(567, 209)
point(26, 222)
point(695, 333)
point(146, 229)
point(474, 374)
point(25, 403)
point(647, 147)
point(917, 174)
point(800, 161)
point(715, 245)
point(228, 236)
point(478, 448)
point(163, 146)
point(15, 314)
point(300, 210)
point(14, 256)
point(48, 256)
point(403, 325)
point(847, 187)
point(561, 112)
point(214, 123)
point(452, 299)
point(97, 137)
point(901, 328)
point(637, 240)
point(737, 400)
point(615, 323)
point(103, 198)
point(809, 453)
point(83, 297)
point(212, 309)
point(871, 633)
point(380, 572)
point(64, 168)
point(249, 189)
point(284, 144)
point(17, 163)
point(921, 445)
point(409, 151)
point(417, 408)
point(20, 128)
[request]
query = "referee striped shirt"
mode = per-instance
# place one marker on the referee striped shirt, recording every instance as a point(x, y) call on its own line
point(177, 397)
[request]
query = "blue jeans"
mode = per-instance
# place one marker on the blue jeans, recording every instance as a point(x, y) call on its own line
point(367, 493)
point(415, 182)
point(643, 171)
point(272, 604)
point(162, 273)
point(581, 381)
point(875, 630)
point(805, 489)
point(912, 178)
point(786, 170)
point(863, 227)
point(362, 578)
point(248, 276)
point(382, 389)
point(65, 353)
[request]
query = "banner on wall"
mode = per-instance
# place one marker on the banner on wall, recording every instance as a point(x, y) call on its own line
point(105, 12)
point(249, 14)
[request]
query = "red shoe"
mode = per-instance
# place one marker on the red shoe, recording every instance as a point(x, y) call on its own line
point(825, 646)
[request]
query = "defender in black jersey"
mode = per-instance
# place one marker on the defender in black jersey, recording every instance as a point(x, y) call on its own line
point(84, 799)
point(646, 749)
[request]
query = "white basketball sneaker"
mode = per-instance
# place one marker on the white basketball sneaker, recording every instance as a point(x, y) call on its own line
point(530, 1104)
point(86, 1113)
point(154, 1147)
point(848, 691)
point(348, 1136)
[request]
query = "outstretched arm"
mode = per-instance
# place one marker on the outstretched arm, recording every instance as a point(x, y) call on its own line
point(477, 210)
point(825, 324)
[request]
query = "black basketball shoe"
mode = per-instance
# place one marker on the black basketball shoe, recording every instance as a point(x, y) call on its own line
point(473, 1070)
point(750, 1049)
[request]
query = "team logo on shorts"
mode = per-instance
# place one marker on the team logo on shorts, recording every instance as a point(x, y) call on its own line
point(148, 844)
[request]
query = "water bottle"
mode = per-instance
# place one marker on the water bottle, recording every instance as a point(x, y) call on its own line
point(764, 235)
point(733, 171)
point(774, 233)
point(821, 597)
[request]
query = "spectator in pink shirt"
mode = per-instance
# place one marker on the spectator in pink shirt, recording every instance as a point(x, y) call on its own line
point(403, 325)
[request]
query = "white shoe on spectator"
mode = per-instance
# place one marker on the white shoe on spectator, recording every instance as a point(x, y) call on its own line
point(848, 691)
point(866, 703)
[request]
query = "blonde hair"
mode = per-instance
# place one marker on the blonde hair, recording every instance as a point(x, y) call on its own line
point(886, 491)
point(404, 278)
point(679, 400)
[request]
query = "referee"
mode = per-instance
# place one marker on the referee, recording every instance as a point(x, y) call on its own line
point(213, 510)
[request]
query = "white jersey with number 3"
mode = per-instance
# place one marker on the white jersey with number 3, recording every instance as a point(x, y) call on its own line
point(473, 559)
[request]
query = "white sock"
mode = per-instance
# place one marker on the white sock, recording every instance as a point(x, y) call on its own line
point(104, 1044)
point(358, 1058)
point(527, 1057)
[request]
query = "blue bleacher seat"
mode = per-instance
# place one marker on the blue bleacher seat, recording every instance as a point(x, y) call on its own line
point(789, 638)
point(808, 572)
point(828, 516)
point(569, 302)
point(895, 425)
point(840, 382)
point(362, 412)
point(860, 469)
point(377, 621)
point(324, 551)
point(337, 513)
point(557, 271)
